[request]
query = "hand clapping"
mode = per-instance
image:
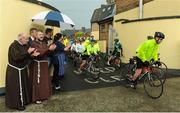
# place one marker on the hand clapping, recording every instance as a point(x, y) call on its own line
point(35, 53)
point(52, 47)
point(30, 50)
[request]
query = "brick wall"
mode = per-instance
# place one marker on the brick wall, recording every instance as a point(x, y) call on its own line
point(125, 5)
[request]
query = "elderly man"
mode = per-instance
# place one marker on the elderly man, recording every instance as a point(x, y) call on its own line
point(17, 94)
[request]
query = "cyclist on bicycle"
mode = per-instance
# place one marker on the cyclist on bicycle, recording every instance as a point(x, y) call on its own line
point(88, 51)
point(80, 46)
point(145, 53)
point(76, 49)
point(117, 51)
point(96, 47)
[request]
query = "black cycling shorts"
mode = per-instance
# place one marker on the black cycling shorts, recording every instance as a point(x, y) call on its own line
point(116, 53)
point(140, 63)
point(85, 57)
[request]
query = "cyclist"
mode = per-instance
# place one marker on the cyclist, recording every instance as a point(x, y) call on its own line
point(80, 46)
point(146, 52)
point(79, 51)
point(96, 47)
point(88, 51)
point(117, 51)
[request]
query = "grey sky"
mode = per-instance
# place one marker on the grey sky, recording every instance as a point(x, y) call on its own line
point(80, 11)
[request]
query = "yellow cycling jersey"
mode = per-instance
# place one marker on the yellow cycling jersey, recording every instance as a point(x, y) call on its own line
point(148, 50)
point(96, 48)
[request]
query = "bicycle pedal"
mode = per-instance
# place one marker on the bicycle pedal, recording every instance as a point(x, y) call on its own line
point(130, 86)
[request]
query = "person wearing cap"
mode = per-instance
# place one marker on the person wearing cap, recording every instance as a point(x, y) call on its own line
point(91, 37)
point(145, 53)
point(86, 42)
point(79, 47)
point(88, 51)
point(117, 51)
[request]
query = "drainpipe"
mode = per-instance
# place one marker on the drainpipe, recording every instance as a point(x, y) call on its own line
point(140, 9)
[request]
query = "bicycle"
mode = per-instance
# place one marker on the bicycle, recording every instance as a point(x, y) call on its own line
point(150, 79)
point(115, 61)
point(153, 67)
point(77, 59)
point(92, 68)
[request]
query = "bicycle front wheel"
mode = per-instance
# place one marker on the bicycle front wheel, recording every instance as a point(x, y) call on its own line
point(164, 68)
point(160, 73)
point(95, 71)
point(153, 86)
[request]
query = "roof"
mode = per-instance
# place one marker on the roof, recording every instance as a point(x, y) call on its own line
point(96, 15)
point(103, 13)
point(42, 4)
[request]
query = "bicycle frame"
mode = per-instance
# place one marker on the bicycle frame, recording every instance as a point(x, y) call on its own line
point(89, 63)
point(143, 74)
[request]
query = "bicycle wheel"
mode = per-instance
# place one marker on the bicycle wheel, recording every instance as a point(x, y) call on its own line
point(163, 66)
point(95, 71)
point(117, 63)
point(153, 86)
point(160, 73)
point(165, 70)
point(127, 70)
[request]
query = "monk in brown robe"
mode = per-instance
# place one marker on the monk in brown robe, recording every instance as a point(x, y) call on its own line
point(40, 82)
point(17, 90)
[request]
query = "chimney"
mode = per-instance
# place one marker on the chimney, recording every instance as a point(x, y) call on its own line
point(140, 9)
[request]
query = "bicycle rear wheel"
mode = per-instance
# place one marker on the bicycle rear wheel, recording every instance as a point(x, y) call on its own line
point(128, 70)
point(117, 63)
point(153, 86)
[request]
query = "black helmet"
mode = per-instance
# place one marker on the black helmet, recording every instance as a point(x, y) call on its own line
point(116, 39)
point(159, 34)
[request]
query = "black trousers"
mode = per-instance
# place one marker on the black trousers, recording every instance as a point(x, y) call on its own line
point(55, 79)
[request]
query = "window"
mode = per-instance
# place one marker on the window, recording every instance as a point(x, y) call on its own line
point(102, 28)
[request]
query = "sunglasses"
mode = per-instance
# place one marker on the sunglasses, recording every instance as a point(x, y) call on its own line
point(160, 39)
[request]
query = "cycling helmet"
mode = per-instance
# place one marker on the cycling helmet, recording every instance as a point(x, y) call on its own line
point(116, 40)
point(159, 34)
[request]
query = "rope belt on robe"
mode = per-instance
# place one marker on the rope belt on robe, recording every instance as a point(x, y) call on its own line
point(39, 69)
point(20, 82)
